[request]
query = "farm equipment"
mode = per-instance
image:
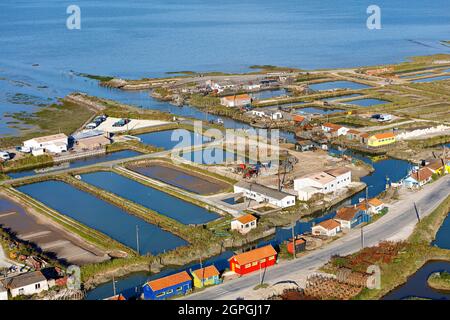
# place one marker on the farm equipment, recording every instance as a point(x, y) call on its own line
point(247, 171)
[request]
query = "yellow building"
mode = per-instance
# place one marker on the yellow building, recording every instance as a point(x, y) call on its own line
point(205, 277)
point(381, 139)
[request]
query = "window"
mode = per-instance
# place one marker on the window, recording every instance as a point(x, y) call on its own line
point(21, 291)
point(169, 291)
point(271, 258)
point(262, 260)
point(248, 265)
point(179, 288)
point(37, 286)
point(254, 263)
point(159, 295)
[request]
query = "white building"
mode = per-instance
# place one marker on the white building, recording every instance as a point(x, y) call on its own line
point(3, 292)
point(258, 113)
point(261, 193)
point(252, 86)
point(236, 100)
point(328, 228)
point(220, 86)
point(385, 117)
point(244, 224)
point(26, 284)
point(273, 115)
point(322, 182)
point(56, 143)
point(334, 129)
point(375, 205)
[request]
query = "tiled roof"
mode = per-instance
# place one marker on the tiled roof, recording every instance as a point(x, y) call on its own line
point(422, 175)
point(332, 126)
point(347, 213)
point(299, 118)
point(169, 281)
point(255, 255)
point(238, 97)
point(329, 224)
point(246, 219)
point(206, 273)
point(375, 202)
point(435, 164)
point(384, 135)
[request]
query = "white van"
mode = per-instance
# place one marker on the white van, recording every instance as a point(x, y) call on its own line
point(4, 156)
point(91, 125)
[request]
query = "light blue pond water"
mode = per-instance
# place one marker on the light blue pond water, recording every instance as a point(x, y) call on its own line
point(431, 79)
point(102, 216)
point(168, 139)
point(391, 169)
point(211, 156)
point(266, 94)
point(153, 199)
point(367, 102)
point(337, 85)
point(181, 138)
point(78, 163)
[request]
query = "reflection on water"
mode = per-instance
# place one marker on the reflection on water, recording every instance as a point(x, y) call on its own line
point(417, 286)
point(102, 216)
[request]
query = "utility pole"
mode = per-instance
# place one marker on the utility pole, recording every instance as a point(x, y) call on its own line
point(260, 274)
point(367, 199)
point(114, 286)
point(417, 212)
point(293, 240)
point(203, 271)
point(137, 239)
point(362, 237)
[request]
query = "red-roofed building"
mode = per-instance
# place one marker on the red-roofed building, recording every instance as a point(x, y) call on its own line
point(300, 120)
point(327, 228)
point(253, 260)
point(419, 178)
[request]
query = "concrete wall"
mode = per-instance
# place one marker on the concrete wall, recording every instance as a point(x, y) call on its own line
point(30, 289)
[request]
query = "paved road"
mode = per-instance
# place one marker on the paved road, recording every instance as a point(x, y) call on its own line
point(400, 218)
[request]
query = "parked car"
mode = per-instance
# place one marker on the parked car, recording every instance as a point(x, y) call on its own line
point(4, 156)
point(121, 122)
point(91, 125)
point(100, 119)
